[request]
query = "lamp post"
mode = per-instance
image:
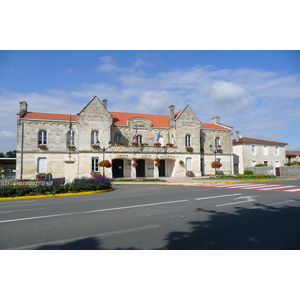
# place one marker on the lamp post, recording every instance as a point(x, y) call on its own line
point(103, 149)
point(215, 151)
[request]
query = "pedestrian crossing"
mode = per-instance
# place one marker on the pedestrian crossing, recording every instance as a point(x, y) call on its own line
point(257, 187)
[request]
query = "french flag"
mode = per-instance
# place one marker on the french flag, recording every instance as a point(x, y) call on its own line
point(134, 136)
point(158, 136)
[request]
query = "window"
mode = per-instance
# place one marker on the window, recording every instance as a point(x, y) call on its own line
point(265, 150)
point(117, 138)
point(253, 163)
point(188, 140)
point(42, 137)
point(217, 142)
point(71, 138)
point(139, 139)
point(95, 166)
point(253, 149)
point(265, 162)
point(94, 137)
point(41, 164)
point(276, 150)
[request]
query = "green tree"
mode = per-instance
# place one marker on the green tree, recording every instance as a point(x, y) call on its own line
point(2, 155)
point(11, 154)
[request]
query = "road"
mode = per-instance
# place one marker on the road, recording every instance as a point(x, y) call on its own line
point(144, 216)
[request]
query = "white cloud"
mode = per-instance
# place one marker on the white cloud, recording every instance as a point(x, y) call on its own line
point(259, 103)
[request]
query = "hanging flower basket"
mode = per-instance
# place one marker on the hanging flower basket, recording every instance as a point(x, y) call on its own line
point(157, 160)
point(216, 164)
point(105, 164)
point(72, 148)
point(181, 163)
point(157, 144)
point(43, 147)
point(134, 159)
point(135, 164)
point(189, 149)
point(157, 164)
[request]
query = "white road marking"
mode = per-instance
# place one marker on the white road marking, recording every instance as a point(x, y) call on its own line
point(275, 188)
point(280, 202)
point(249, 199)
point(220, 196)
point(293, 190)
point(92, 211)
point(65, 241)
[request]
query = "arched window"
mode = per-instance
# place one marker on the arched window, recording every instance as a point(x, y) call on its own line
point(42, 137)
point(217, 142)
point(117, 138)
point(188, 140)
point(139, 139)
point(71, 138)
point(94, 137)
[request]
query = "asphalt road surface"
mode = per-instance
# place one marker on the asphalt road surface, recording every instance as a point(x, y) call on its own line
point(143, 216)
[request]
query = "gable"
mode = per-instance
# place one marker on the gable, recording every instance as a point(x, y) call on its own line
point(95, 107)
point(187, 117)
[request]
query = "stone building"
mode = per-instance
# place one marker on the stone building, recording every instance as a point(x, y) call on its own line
point(292, 156)
point(249, 152)
point(73, 145)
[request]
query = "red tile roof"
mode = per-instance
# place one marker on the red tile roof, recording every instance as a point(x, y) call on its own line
point(293, 153)
point(49, 116)
point(252, 140)
point(119, 118)
point(212, 126)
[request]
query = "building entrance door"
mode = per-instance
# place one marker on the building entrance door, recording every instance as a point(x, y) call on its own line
point(117, 168)
point(161, 168)
point(140, 169)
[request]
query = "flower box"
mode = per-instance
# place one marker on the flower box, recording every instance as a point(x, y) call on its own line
point(40, 176)
point(157, 144)
point(95, 147)
point(170, 144)
point(43, 147)
point(134, 144)
point(119, 143)
point(189, 149)
point(95, 174)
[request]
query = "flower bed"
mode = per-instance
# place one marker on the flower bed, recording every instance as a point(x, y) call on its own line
point(57, 186)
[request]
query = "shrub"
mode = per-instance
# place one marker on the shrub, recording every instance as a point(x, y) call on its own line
point(248, 172)
point(190, 174)
point(260, 165)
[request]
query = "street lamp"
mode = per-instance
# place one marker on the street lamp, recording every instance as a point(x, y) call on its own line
point(215, 151)
point(103, 150)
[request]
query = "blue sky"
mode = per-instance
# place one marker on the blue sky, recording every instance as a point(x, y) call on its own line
point(256, 92)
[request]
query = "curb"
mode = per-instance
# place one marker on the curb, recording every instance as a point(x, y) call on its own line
point(56, 195)
point(210, 182)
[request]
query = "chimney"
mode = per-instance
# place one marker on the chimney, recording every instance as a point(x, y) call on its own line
point(237, 133)
point(215, 120)
point(104, 102)
point(171, 107)
point(23, 108)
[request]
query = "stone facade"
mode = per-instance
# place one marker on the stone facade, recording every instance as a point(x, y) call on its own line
point(249, 152)
point(46, 142)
